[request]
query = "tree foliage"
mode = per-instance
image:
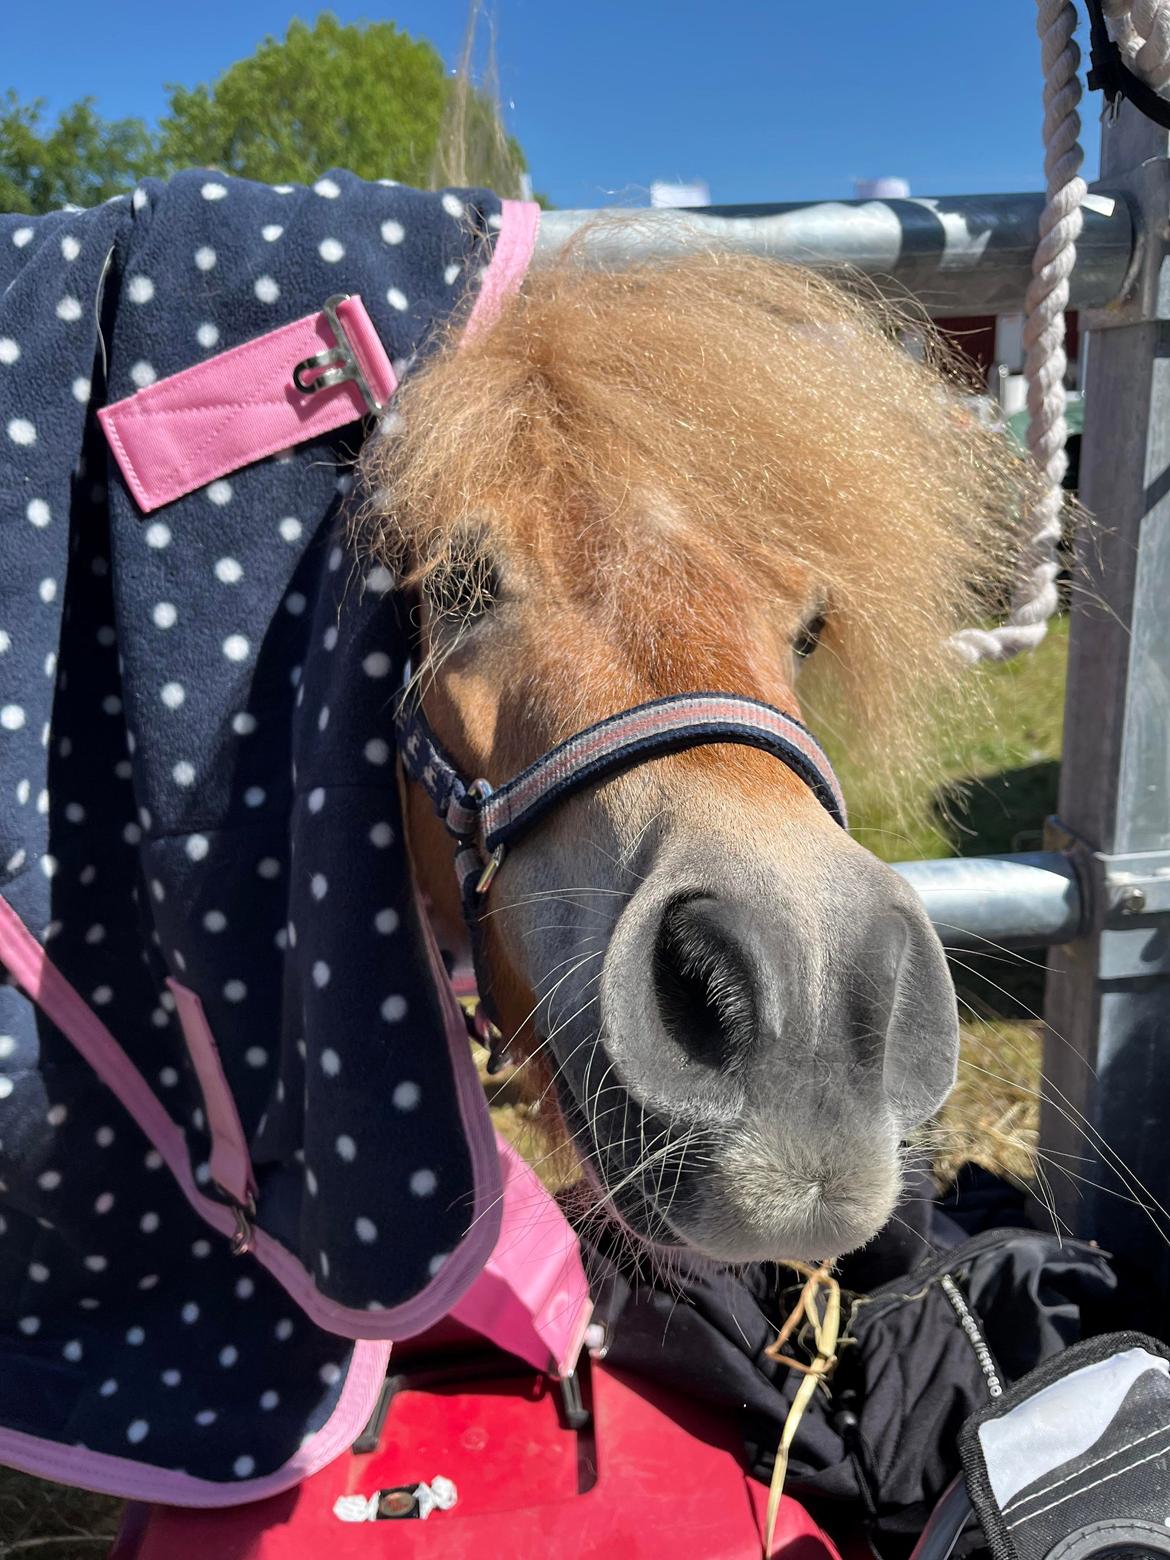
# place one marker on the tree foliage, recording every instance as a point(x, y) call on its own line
point(80, 160)
point(365, 97)
point(328, 96)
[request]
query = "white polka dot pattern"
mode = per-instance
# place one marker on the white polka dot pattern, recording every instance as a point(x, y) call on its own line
point(169, 810)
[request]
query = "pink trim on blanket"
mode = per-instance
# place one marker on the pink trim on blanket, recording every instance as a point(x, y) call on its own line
point(80, 1025)
point(532, 1298)
point(519, 225)
point(140, 1481)
point(239, 406)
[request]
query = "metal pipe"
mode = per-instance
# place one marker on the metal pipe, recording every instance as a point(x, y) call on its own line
point(1107, 1004)
point(959, 254)
point(941, 1533)
point(1028, 900)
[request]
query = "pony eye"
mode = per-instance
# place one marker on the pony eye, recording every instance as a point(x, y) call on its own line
point(463, 588)
point(808, 637)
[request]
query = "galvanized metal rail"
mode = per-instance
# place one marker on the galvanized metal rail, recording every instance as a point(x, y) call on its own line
point(957, 254)
point(1030, 900)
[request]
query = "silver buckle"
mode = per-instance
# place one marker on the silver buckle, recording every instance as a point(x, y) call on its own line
point(479, 791)
point(337, 365)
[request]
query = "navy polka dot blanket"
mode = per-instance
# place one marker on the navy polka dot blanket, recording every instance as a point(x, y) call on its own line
point(242, 1142)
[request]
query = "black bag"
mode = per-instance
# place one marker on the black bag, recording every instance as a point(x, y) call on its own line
point(918, 1354)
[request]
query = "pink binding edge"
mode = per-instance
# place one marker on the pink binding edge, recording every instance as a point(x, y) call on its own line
point(47, 987)
point(106, 1473)
point(532, 1297)
point(519, 225)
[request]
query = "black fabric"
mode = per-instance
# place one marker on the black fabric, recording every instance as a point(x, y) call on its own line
point(882, 1445)
point(197, 781)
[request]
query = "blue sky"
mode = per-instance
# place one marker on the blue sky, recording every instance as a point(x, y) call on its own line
point(764, 99)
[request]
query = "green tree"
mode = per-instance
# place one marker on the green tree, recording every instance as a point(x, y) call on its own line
point(81, 160)
point(368, 98)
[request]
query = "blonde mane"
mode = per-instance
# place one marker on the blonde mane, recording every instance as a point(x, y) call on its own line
point(749, 425)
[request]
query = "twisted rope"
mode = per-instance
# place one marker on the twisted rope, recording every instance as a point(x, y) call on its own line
point(1034, 596)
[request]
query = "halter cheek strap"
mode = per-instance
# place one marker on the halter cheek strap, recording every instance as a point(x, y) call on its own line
point(485, 822)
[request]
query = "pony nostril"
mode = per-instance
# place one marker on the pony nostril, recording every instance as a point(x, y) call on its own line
point(703, 983)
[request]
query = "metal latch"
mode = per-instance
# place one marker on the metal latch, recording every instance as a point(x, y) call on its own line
point(337, 365)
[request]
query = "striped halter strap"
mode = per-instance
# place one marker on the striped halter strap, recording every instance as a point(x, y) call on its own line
point(485, 822)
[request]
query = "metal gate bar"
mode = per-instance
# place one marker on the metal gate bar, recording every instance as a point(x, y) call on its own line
point(1107, 1051)
point(1029, 900)
point(958, 254)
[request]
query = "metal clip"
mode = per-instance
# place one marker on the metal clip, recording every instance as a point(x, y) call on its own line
point(242, 1234)
point(478, 792)
point(487, 876)
point(337, 365)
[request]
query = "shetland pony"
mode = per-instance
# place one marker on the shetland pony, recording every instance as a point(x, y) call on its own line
point(670, 478)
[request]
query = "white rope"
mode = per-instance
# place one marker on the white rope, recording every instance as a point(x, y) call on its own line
point(1034, 595)
point(1141, 31)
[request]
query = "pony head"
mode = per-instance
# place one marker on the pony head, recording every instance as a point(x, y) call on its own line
point(672, 478)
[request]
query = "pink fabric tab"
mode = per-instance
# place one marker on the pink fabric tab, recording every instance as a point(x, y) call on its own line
point(230, 1162)
point(185, 431)
point(532, 1298)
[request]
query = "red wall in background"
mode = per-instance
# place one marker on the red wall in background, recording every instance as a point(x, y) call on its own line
point(974, 336)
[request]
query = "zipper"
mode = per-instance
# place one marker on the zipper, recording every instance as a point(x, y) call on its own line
point(973, 1334)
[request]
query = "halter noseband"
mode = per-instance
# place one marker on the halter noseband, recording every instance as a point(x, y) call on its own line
point(485, 822)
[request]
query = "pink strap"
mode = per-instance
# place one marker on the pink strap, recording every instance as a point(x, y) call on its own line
point(532, 1298)
point(519, 225)
point(239, 406)
point(230, 1162)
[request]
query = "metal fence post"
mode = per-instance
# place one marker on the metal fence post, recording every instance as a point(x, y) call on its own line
point(1107, 1046)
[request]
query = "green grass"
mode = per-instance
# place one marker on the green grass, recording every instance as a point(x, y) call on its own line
point(999, 773)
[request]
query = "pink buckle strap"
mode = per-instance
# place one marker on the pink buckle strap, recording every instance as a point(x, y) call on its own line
point(295, 383)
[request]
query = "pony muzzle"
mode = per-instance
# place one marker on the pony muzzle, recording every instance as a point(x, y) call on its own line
point(796, 1033)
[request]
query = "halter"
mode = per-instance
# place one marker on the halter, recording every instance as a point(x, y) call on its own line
point(485, 823)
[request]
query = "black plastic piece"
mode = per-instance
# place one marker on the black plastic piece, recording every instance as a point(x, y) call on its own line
point(464, 1369)
point(1109, 74)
